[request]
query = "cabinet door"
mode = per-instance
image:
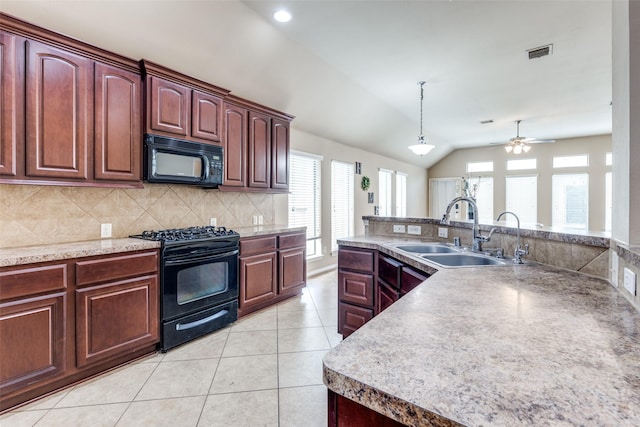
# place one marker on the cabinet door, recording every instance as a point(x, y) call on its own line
point(118, 128)
point(351, 318)
point(116, 318)
point(32, 339)
point(59, 112)
point(169, 109)
point(385, 296)
point(206, 117)
point(259, 150)
point(292, 270)
point(235, 145)
point(257, 279)
point(356, 288)
point(11, 122)
point(411, 278)
point(280, 154)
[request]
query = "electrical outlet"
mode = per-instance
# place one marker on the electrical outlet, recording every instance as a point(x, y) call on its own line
point(443, 232)
point(260, 220)
point(105, 230)
point(398, 228)
point(630, 281)
point(414, 229)
point(213, 222)
point(255, 220)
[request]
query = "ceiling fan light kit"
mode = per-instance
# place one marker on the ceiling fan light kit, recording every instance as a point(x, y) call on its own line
point(421, 148)
point(519, 144)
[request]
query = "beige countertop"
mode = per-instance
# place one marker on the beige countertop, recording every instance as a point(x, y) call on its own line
point(42, 253)
point(263, 230)
point(496, 346)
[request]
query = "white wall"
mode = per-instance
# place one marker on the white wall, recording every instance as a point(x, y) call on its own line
point(332, 150)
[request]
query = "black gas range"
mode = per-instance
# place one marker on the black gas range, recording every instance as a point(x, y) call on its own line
point(198, 281)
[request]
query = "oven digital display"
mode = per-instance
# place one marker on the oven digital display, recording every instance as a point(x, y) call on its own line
point(201, 281)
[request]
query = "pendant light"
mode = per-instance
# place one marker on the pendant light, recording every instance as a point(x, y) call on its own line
point(421, 148)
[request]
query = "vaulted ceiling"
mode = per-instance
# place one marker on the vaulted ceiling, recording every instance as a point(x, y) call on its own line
point(348, 70)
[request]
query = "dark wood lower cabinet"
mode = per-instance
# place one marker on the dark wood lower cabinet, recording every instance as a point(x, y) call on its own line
point(272, 268)
point(343, 412)
point(352, 317)
point(385, 296)
point(64, 321)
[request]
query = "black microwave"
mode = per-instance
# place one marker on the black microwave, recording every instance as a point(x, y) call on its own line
point(174, 161)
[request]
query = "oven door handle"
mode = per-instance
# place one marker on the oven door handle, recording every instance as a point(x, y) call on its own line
point(184, 326)
point(186, 259)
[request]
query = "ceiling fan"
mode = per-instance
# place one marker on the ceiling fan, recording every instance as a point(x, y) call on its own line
point(520, 144)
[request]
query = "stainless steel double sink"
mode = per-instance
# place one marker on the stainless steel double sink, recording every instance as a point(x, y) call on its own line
point(446, 255)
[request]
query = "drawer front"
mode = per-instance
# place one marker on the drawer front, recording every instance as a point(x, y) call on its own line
point(257, 246)
point(360, 260)
point(22, 282)
point(116, 267)
point(389, 270)
point(386, 296)
point(351, 318)
point(411, 278)
point(355, 288)
point(292, 240)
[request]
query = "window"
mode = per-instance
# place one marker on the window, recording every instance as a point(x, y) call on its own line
point(342, 177)
point(608, 200)
point(521, 164)
point(608, 159)
point(479, 167)
point(522, 198)
point(441, 192)
point(483, 190)
point(384, 190)
point(401, 194)
point(304, 198)
point(570, 200)
point(571, 161)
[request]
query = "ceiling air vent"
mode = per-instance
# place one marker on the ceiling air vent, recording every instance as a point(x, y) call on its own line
point(539, 52)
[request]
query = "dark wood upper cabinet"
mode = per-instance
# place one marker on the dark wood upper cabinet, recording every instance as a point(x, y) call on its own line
point(118, 124)
point(259, 150)
point(71, 112)
point(206, 110)
point(12, 97)
point(235, 145)
point(169, 106)
point(280, 154)
point(59, 111)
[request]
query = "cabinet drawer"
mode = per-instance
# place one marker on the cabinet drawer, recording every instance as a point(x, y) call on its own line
point(356, 288)
point(351, 318)
point(389, 270)
point(411, 278)
point(116, 267)
point(292, 240)
point(257, 246)
point(353, 259)
point(32, 281)
point(385, 297)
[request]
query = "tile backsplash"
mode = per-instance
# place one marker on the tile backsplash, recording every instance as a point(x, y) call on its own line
point(35, 214)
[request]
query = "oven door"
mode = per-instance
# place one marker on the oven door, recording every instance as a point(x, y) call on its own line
point(196, 277)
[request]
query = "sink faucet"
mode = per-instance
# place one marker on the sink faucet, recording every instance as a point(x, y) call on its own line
point(478, 239)
point(519, 252)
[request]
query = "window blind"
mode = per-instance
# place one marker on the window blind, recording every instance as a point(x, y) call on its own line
point(342, 187)
point(401, 194)
point(384, 188)
point(304, 197)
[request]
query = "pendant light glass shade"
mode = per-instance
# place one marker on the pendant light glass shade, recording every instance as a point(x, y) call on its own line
point(421, 148)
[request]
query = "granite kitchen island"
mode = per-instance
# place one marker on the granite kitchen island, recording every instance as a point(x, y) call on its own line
point(497, 346)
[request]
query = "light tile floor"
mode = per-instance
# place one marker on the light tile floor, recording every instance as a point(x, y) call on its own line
point(263, 370)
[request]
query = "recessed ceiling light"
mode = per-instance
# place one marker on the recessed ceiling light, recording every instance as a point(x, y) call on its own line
point(282, 16)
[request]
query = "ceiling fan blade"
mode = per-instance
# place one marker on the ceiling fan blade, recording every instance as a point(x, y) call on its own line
point(541, 141)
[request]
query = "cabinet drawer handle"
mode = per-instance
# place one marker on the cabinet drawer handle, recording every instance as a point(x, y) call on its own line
point(183, 326)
